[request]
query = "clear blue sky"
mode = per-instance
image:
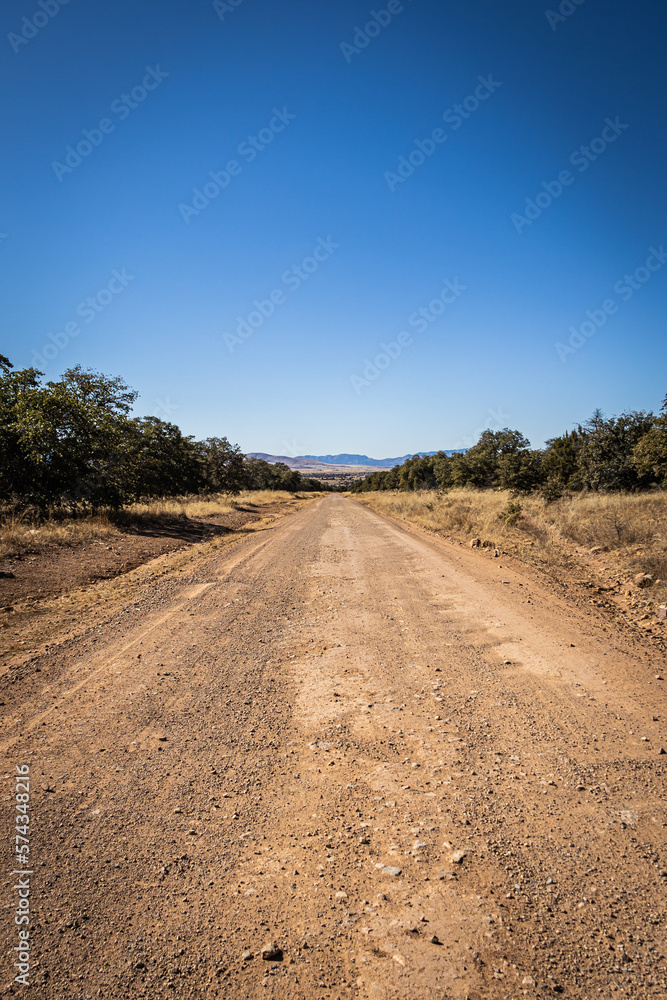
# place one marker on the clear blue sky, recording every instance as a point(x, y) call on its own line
point(339, 111)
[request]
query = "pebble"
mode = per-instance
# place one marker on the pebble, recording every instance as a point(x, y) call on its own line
point(391, 871)
point(271, 952)
point(457, 857)
point(246, 955)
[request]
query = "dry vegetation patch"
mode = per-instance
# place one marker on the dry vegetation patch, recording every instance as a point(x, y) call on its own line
point(26, 532)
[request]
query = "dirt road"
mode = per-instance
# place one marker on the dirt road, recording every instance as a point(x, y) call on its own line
point(419, 772)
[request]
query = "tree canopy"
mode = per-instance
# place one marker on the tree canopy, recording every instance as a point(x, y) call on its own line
point(73, 443)
point(625, 453)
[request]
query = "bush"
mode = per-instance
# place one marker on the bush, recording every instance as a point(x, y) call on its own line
point(511, 514)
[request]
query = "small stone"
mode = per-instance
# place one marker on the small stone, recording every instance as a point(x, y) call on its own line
point(246, 955)
point(271, 952)
point(457, 857)
point(391, 871)
point(418, 845)
point(475, 543)
point(528, 981)
point(643, 580)
point(435, 939)
point(341, 895)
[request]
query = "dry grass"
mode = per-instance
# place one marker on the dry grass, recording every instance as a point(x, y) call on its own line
point(205, 506)
point(630, 530)
point(25, 533)
point(21, 534)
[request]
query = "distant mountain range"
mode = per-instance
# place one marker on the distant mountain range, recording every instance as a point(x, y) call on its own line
point(315, 461)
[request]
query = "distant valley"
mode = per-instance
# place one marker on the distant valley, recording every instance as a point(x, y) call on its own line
point(327, 462)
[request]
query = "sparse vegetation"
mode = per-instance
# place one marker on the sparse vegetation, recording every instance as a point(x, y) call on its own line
point(26, 531)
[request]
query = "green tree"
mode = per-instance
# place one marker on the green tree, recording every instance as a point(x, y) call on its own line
point(223, 465)
point(606, 455)
point(60, 440)
point(520, 471)
point(158, 460)
point(479, 466)
point(649, 456)
point(560, 462)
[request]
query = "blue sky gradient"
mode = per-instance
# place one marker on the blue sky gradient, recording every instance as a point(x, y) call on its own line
point(301, 382)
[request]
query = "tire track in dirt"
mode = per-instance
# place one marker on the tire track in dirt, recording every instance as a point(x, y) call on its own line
point(306, 715)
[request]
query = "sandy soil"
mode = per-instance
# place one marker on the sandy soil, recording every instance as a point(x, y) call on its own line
point(418, 772)
point(61, 569)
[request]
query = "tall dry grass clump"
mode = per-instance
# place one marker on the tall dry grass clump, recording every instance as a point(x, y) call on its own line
point(205, 506)
point(27, 531)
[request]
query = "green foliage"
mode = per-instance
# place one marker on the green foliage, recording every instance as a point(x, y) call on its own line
point(262, 475)
point(511, 514)
point(72, 443)
point(223, 465)
point(59, 441)
point(480, 466)
point(606, 453)
point(649, 456)
point(625, 453)
point(560, 462)
point(157, 460)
